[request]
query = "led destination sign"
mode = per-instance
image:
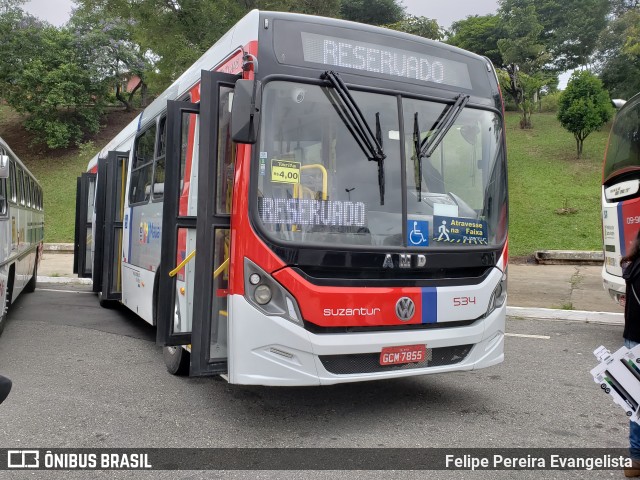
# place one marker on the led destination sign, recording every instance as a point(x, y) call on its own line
point(371, 57)
point(294, 211)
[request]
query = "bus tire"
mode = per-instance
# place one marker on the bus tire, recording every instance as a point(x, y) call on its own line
point(104, 303)
point(31, 286)
point(177, 360)
point(3, 314)
point(154, 304)
point(7, 301)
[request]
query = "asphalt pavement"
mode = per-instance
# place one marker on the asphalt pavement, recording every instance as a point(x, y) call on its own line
point(91, 377)
point(88, 377)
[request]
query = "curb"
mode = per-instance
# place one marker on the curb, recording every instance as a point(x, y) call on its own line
point(67, 280)
point(568, 257)
point(58, 247)
point(582, 316)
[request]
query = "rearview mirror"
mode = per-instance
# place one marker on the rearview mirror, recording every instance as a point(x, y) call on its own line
point(245, 112)
point(4, 166)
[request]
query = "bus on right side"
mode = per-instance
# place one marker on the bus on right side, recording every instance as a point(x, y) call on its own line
point(620, 195)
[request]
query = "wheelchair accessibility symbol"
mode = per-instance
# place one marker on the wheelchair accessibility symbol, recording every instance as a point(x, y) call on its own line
point(418, 233)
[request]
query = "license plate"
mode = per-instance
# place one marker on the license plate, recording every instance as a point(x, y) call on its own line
point(403, 354)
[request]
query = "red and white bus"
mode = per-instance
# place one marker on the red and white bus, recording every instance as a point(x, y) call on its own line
point(314, 201)
point(620, 194)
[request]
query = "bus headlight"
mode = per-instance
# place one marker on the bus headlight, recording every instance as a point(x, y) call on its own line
point(262, 294)
point(267, 295)
point(499, 295)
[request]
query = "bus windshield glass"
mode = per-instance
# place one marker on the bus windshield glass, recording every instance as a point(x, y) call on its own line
point(623, 153)
point(317, 186)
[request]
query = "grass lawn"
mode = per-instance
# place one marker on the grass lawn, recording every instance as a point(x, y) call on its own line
point(544, 177)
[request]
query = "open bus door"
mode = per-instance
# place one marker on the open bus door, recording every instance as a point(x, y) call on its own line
point(192, 292)
point(115, 177)
point(85, 194)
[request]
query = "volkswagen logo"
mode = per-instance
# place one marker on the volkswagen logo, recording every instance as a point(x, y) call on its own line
point(405, 308)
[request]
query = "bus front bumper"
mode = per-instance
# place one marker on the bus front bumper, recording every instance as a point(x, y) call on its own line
point(268, 350)
point(613, 285)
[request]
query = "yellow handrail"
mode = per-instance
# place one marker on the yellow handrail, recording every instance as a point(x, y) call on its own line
point(325, 180)
point(221, 268)
point(217, 272)
point(175, 271)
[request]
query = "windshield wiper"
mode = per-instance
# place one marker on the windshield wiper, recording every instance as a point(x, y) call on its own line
point(426, 147)
point(370, 144)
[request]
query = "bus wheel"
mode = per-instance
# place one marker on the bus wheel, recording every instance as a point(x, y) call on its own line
point(31, 286)
point(7, 301)
point(177, 360)
point(3, 314)
point(104, 303)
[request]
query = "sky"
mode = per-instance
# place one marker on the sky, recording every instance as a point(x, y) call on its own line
point(444, 11)
point(448, 11)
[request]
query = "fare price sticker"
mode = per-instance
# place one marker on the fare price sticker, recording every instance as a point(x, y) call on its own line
point(284, 171)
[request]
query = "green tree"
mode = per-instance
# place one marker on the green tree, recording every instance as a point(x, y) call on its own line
point(584, 106)
point(620, 7)
point(521, 50)
point(115, 56)
point(571, 29)
point(175, 33)
point(325, 8)
point(420, 26)
point(373, 12)
point(479, 34)
point(616, 60)
point(7, 6)
point(59, 90)
point(19, 41)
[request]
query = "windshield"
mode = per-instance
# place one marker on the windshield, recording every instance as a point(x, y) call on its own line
point(623, 152)
point(316, 185)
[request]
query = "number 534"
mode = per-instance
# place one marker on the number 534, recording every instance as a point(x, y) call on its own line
point(463, 301)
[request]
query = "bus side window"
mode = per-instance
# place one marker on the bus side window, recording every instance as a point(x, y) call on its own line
point(226, 153)
point(3, 197)
point(12, 182)
point(20, 186)
point(140, 185)
point(27, 184)
point(159, 163)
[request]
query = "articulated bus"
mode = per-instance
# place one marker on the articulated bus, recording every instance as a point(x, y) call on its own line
point(21, 229)
point(313, 202)
point(620, 194)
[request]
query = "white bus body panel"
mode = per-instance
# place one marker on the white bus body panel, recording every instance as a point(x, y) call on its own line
point(255, 340)
point(137, 291)
point(612, 280)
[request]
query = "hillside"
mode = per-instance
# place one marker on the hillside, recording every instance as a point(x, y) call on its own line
point(555, 199)
point(57, 171)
